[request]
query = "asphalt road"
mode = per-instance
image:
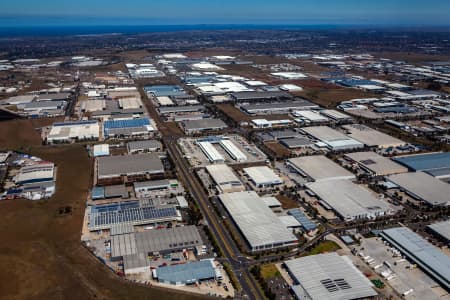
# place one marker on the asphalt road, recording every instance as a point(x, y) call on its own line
point(238, 262)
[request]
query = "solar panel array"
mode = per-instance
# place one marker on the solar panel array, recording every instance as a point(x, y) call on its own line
point(306, 223)
point(139, 122)
point(105, 217)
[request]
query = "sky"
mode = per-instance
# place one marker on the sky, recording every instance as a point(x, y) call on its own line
point(179, 12)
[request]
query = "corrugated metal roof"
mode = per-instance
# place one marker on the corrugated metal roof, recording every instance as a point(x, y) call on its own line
point(187, 273)
point(427, 256)
point(328, 276)
point(260, 226)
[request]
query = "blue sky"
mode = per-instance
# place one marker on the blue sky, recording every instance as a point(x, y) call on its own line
point(152, 12)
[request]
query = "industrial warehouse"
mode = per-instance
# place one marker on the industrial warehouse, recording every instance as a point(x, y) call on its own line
point(106, 216)
point(68, 131)
point(25, 176)
point(230, 149)
point(109, 167)
point(259, 225)
point(332, 139)
point(226, 181)
point(349, 200)
point(371, 137)
point(203, 125)
point(442, 230)
point(424, 187)
point(328, 276)
point(424, 254)
point(319, 168)
point(376, 164)
point(263, 177)
point(435, 164)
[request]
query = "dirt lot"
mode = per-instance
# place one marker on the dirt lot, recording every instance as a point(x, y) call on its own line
point(19, 134)
point(41, 254)
point(332, 97)
point(286, 202)
point(279, 150)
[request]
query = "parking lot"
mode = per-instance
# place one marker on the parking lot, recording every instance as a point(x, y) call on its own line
point(404, 275)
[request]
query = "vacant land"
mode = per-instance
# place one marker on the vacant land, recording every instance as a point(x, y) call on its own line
point(324, 247)
point(279, 150)
point(332, 97)
point(41, 254)
point(269, 271)
point(286, 202)
point(20, 134)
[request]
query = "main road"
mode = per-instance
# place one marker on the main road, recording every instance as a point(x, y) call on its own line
point(228, 247)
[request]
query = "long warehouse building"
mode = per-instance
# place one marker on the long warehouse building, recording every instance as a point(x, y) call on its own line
point(432, 260)
point(211, 152)
point(262, 229)
point(424, 187)
point(349, 200)
point(129, 165)
point(226, 181)
point(328, 276)
point(233, 151)
point(318, 168)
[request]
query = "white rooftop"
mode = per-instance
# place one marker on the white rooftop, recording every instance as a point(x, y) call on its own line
point(319, 167)
point(328, 276)
point(350, 200)
point(260, 226)
point(263, 175)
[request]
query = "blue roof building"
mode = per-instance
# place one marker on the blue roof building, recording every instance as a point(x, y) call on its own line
point(306, 223)
point(185, 274)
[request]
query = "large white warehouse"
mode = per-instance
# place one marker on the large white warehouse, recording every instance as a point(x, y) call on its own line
point(262, 229)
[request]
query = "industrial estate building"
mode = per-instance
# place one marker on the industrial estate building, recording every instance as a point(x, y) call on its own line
point(79, 130)
point(432, 260)
point(442, 230)
point(263, 176)
point(261, 228)
point(277, 108)
point(435, 164)
point(190, 273)
point(107, 216)
point(319, 168)
point(128, 127)
point(371, 137)
point(376, 164)
point(328, 276)
point(332, 139)
point(226, 181)
point(144, 146)
point(129, 165)
point(202, 125)
point(155, 241)
point(213, 155)
point(349, 200)
point(424, 187)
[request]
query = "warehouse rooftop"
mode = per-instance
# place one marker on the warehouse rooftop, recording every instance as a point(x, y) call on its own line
point(204, 124)
point(349, 200)
point(423, 186)
point(328, 276)
point(442, 228)
point(319, 167)
point(372, 137)
point(376, 164)
point(427, 256)
point(112, 166)
point(260, 226)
